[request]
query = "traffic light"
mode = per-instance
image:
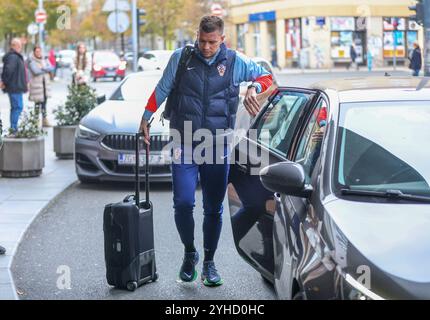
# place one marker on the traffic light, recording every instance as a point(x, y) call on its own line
point(140, 20)
point(141, 13)
point(418, 8)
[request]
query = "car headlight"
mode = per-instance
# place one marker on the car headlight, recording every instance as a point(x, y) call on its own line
point(85, 133)
point(97, 68)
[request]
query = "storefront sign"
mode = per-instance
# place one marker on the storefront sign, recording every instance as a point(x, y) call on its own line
point(320, 21)
point(262, 16)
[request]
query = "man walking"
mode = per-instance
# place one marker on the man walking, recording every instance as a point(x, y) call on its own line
point(416, 60)
point(14, 81)
point(207, 96)
point(353, 56)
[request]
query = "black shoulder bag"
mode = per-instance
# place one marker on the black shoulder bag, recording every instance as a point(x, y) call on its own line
point(172, 100)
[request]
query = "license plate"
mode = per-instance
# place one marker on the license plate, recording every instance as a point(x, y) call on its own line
point(130, 159)
point(110, 74)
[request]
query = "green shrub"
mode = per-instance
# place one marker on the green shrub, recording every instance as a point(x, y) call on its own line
point(81, 99)
point(29, 125)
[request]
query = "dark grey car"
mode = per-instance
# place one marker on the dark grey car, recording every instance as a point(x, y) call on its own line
point(343, 210)
point(104, 143)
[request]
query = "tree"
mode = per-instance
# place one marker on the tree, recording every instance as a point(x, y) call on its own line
point(15, 16)
point(94, 24)
point(193, 12)
point(163, 17)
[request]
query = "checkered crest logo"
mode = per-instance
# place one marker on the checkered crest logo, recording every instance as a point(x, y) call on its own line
point(221, 69)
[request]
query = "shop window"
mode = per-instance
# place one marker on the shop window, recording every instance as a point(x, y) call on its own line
point(240, 31)
point(399, 37)
point(346, 31)
point(293, 38)
point(257, 40)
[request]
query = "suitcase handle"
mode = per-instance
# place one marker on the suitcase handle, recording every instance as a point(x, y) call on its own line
point(137, 195)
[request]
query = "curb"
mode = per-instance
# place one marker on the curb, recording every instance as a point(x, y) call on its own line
point(21, 237)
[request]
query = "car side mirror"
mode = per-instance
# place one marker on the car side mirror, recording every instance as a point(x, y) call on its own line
point(101, 99)
point(286, 178)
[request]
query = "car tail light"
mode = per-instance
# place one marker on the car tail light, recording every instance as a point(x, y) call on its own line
point(97, 68)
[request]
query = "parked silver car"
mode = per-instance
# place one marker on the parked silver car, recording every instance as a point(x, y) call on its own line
point(105, 142)
point(105, 137)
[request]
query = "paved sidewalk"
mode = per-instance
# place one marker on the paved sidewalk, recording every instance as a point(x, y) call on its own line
point(21, 200)
point(341, 70)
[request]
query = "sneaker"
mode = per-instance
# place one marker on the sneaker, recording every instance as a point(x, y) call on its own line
point(210, 276)
point(2, 250)
point(188, 270)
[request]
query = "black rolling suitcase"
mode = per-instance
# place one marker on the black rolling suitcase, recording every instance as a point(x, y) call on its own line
point(129, 237)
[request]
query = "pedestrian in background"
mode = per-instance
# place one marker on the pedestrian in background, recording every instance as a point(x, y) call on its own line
point(82, 65)
point(39, 84)
point(416, 60)
point(353, 56)
point(369, 60)
point(53, 61)
point(2, 250)
point(14, 81)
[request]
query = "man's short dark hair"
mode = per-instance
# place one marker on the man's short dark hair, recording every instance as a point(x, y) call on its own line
point(210, 24)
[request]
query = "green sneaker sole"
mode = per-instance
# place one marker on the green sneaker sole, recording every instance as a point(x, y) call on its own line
point(193, 278)
point(212, 284)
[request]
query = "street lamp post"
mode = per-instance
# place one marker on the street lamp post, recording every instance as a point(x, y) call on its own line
point(427, 38)
point(135, 33)
point(41, 30)
point(395, 25)
point(422, 17)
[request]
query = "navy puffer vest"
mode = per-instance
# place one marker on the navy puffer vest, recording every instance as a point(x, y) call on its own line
point(206, 95)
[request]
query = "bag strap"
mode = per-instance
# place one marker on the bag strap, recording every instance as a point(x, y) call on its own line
point(186, 55)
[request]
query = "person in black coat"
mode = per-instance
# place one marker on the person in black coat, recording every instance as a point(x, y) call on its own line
point(2, 250)
point(416, 60)
point(353, 56)
point(14, 81)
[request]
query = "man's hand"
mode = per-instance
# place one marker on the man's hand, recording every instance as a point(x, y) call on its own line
point(144, 128)
point(251, 103)
point(2, 86)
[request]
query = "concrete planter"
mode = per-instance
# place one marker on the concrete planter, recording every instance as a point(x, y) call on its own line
point(64, 141)
point(21, 158)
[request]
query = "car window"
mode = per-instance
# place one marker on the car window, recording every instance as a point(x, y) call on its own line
point(137, 88)
point(149, 56)
point(384, 146)
point(276, 127)
point(266, 66)
point(106, 57)
point(309, 146)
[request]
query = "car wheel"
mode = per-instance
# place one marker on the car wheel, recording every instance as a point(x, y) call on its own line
point(94, 79)
point(140, 69)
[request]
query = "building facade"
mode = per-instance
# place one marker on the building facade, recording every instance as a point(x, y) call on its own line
point(320, 33)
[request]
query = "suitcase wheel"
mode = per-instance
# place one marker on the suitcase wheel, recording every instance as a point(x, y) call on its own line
point(132, 285)
point(155, 277)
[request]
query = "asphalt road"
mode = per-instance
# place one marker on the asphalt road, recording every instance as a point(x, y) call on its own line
point(67, 239)
point(69, 233)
